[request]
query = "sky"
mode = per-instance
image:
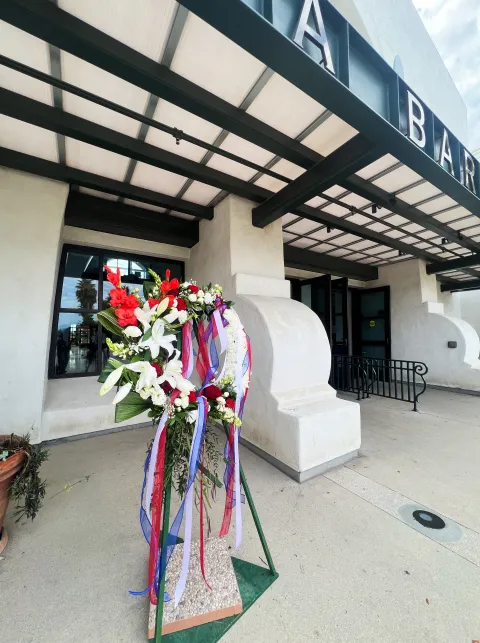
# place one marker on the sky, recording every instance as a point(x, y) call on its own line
point(454, 26)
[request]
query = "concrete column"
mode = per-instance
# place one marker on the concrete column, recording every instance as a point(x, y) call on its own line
point(293, 417)
point(31, 216)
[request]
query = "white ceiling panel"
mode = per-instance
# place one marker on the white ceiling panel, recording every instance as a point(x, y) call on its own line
point(283, 167)
point(335, 191)
point(316, 202)
point(285, 107)
point(245, 149)
point(422, 245)
point(354, 257)
point(96, 80)
point(174, 116)
point(288, 218)
point(26, 138)
point(377, 227)
point(377, 166)
point(397, 179)
point(437, 205)
point(201, 193)
point(394, 234)
point(288, 237)
point(304, 226)
point(358, 219)
point(335, 236)
point(361, 245)
point(413, 227)
point(471, 232)
point(395, 219)
point(322, 248)
point(355, 200)
point(95, 159)
point(97, 193)
point(463, 223)
point(31, 51)
point(421, 192)
point(144, 27)
point(368, 260)
point(153, 178)
point(228, 166)
point(341, 252)
point(329, 136)
point(452, 215)
point(337, 210)
point(303, 243)
point(209, 59)
point(428, 234)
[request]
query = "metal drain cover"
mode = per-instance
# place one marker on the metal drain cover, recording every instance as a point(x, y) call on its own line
point(429, 520)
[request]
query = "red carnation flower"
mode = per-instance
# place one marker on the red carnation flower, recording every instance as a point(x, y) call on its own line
point(212, 392)
point(230, 403)
point(117, 296)
point(158, 369)
point(193, 289)
point(126, 317)
point(166, 388)
point(175, 292)
point(153, 302)
point(113, 277)
point(181, 305)
point(192, 397)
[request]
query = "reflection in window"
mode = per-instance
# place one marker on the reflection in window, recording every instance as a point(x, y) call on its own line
point(76, 344)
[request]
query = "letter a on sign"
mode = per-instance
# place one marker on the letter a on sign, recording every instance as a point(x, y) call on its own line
point(319, 36)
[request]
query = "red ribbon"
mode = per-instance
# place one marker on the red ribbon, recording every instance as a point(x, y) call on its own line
point(202, 543)
point(157, 498)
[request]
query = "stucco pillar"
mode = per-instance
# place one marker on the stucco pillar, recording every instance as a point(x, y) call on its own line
point(293, 417)
point(31, 216)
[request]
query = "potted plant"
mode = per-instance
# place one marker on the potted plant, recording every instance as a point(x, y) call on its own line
point(20, 462)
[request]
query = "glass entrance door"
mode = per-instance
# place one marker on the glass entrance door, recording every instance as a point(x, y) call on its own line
point(371, 322)
point(339, 336)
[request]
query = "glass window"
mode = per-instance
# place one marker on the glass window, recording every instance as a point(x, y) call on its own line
point(78, 341)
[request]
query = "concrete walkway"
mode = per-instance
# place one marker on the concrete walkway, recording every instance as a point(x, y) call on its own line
point(352, 569)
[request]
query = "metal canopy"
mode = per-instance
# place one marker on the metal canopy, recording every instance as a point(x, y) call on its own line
point(473, 284)
point(169, 112)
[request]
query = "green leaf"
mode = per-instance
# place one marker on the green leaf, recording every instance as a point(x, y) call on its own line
point(129, 407)
point(148, 286)
point(109, 321)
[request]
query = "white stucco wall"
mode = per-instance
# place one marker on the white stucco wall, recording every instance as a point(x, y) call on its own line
point(394, 27)
point(292, 413)
point(421, 327)
point(468, 304)
point(31, 220)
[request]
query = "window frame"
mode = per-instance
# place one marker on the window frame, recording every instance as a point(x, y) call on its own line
point(58, 309)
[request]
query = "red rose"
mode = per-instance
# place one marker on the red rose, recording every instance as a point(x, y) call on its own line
point(165, 386)
point(117, 296)
point(192, 397)
point(181, 305)
point(126, 317)
point(130, 302)
point(153, 302)
point(158, 369)
point(193, 289)
point(175, 292)
point(212, 392)
point(113, 277)
point(230, 403)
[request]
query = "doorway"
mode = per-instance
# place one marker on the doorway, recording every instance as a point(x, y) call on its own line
point(371, 322)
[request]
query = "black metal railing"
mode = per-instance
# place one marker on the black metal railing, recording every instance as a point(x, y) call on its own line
point(397, 379)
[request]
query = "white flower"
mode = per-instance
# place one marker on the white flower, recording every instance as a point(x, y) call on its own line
point(192, 416)
point(184, 401)
point(200, 294)
point(147, 377)
point(111, 380)
point(175, 314)
point(226, 394)
point(146, 314)
point(158, 396)
point(122, 393)
point(182, 316)
point(132, 331)
point(208, 298)
point(172, 373)
point(178, 402)
point(220, 401)
point(192, 297)
point(145, 393)
point(159, 340)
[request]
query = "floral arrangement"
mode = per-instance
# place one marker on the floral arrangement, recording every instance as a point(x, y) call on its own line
point(151, 367)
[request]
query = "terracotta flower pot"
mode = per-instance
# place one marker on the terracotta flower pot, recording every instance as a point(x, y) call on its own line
point(8, 469)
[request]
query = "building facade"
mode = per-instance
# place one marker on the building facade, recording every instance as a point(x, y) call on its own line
point(300, 156)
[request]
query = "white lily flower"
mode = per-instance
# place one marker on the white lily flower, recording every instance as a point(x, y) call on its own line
point(111, 380)
point(159, 340)
point(172, 373)
point(192, 416)
point(172, 316)
point(145, 314)
point(132, 331)
point(122, 393)
point(147, 377)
